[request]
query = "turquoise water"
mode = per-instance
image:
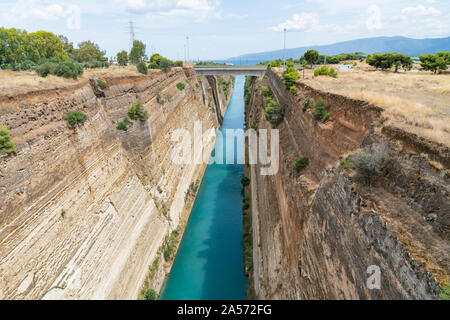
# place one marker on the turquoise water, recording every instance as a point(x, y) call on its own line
point(210, 260)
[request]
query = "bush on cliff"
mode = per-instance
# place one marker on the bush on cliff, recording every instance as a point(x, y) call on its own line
point(171, 245)
point(151, 294)
point(301, 164)
point(181, 86)
point(369, 164)
point(306, 105)
point(445, 294)
point(76, 117)
point(6, 143)
point(320, 111)
point(123, 126)
point(274, 112)
point(266, 92)
point(142, 67)
point(293, 90)
point(245, 181)
point(137, 112)
point(290, 77)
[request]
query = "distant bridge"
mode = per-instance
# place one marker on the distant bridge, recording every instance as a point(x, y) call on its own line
point(256, 71)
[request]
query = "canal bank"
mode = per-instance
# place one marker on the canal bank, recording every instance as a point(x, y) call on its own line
point(210, 259)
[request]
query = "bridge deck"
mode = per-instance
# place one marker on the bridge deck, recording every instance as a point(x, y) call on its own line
point(257, 71)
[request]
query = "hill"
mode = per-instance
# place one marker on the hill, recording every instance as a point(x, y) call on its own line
point(409, 46)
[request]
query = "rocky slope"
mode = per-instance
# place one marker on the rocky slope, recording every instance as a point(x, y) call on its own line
point(84, 212)
point(317, 233)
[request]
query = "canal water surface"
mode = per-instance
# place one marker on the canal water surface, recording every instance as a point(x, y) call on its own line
point(210, 260)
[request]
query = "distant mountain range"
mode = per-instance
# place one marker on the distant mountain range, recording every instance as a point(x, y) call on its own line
point(411, 47)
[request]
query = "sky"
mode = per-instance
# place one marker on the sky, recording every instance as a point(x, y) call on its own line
point(219, 29)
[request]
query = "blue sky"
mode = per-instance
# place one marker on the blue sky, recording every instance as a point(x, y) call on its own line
point(227, 28)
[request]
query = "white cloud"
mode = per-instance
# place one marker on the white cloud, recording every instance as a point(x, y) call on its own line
point(299, 22)
point(421, 11)
point(373, 21)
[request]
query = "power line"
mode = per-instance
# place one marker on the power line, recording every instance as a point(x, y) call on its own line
point(132, 33)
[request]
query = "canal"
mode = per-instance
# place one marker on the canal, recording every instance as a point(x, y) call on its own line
point(210, 260)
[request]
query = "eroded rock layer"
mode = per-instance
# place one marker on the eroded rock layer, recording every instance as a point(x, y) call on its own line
point(317, 234)
point(85, 211)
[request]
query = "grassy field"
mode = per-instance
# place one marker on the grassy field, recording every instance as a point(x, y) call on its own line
point(419, 102)
point(12, 83)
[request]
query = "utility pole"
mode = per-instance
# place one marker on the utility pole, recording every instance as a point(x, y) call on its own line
point(185, 54)
point(132, 33)
point(187, 43)
point(284, 49)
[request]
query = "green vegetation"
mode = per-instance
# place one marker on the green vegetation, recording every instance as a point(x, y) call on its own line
point(347, 163)
point(324, 71)
point(171, 245)
point(6, 144)
point(290, 76)
point(208, 63)
point(159, 62)
point(76, 117)
point(248, 89)
point(385, 61)
point(101, 84)
point(151, 294)
point(274, 112)
point(245, 181)
point(142, 67)
point(445, 294)
point(180, 86)
point(320, 111)
point(435, 62)
point(266, 92)
point(122, 58)
point(123, 125)
point(63, 213)
point(311, 56)
point(66, 69)
point(137, 53)
point(368, 165)
point(192, 190)
point(307, 104)
point(293, 90)
point(137, 112)
point(301, 164)
point(225, 86)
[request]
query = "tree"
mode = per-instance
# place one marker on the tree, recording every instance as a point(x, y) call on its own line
point(435, 62)
point(68, 46)
point(6, 144)
point(44, 45)
point(89, 51)
point(311, 56)
point(137, 53)
point(165, 65)
point(122, 58)
point(12, 45)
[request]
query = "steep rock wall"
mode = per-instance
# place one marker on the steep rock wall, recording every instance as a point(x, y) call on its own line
point(316, 233)
point(85, 211)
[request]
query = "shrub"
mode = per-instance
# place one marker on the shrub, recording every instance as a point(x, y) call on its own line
point(290, 77)
point(171, 244)
point(76, 117)
point(293, 90)
point(320, 111)
point(306, 105)
point(123, 125)
point(142, 67)
point(68, 69)
point(266, 92)
point(445, 294)
point(101, 84)
point(332, 73)
point(137, 112)
point(369, 165)
point(45, 69)
point(274, 112)
point(301, 164)
point(346, 163)
point(6, 144)
point(245, 181)
point(151, 294)
point(246, 206)
point(180, 86)
point(154, 65)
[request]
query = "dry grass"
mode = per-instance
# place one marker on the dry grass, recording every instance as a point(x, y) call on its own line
point(13, 83)
point(419, 102)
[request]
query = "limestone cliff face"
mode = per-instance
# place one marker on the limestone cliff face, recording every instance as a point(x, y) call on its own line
point(316, 233)
point(84, 212)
